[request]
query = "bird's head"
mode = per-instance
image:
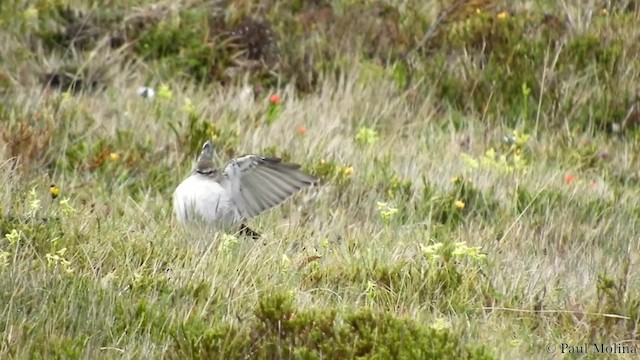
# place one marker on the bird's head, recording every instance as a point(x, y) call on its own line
point(205, 160)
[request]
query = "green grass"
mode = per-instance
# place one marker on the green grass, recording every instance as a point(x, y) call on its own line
point(478, 196)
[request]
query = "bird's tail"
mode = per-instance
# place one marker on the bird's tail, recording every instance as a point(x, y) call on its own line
point(246, 231)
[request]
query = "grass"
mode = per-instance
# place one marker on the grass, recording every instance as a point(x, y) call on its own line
point(478, 165)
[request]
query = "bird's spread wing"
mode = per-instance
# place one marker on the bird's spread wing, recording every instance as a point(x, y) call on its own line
point(259, 183)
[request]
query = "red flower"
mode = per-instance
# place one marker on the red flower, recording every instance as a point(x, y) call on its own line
point(302, 130)
point(568, 179)
point(275, 99)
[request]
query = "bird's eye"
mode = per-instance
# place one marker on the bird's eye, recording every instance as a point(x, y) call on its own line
point(206, 145)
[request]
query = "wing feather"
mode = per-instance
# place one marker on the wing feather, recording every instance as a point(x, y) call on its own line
point(273, 193)
point(274, 189)
point(261, 183)
point(241, 196)
point(290, 174)
point(249, 205)
point(277, 181)
point(253, 184)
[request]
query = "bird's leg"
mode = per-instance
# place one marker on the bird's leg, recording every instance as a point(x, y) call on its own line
point(246, 231)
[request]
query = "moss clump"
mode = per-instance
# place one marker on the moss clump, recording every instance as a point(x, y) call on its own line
point(281, 331)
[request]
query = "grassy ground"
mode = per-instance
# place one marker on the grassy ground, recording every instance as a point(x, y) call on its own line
point(479, 165)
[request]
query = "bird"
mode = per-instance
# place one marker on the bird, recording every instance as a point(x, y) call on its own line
point(246, 187)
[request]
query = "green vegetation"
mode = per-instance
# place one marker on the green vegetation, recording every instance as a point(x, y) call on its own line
point(479, 166)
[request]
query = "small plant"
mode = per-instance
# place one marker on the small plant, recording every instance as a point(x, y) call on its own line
point(228, 243)
point(460, 252)
point(179, 44)
point(400, 188)
point(197, 129)
point(274, 108)
point(587, 156)
point(510, 156)
point(34, 204)
point(165, 93)
point(371, 290)
point(386, 211)
point(455, 268)
point(27, 137)
point(455, 206)
point(526, 92)
point(13, 237)
point(285, 263)
point(613, 298)
point(339, 175)
point(367, 136)
point(56, 260)
point(4, 259)
point(431, 252)
point(474, 254)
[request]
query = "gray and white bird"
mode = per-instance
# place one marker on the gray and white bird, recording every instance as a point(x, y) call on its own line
point(246, 187)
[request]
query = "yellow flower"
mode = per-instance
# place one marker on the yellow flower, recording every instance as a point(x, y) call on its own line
point(502, 15)
point(604, 12)
point(54, 191)
point(347, 170)
point(455, 180)
point(459, 204)
point(114, 156)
